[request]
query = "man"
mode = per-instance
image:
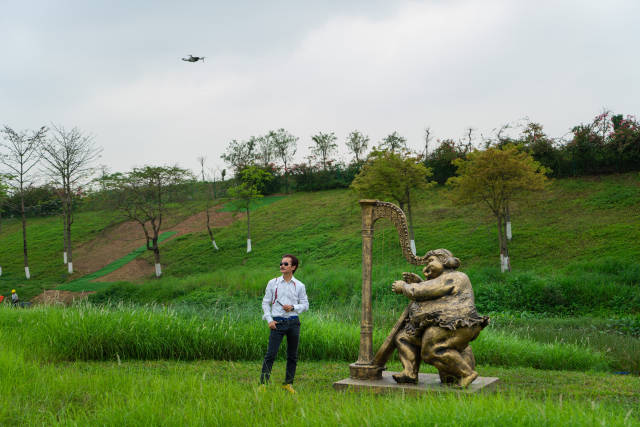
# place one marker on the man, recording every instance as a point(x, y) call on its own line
point(14, 297)
point(442, 320)
point(284, 298)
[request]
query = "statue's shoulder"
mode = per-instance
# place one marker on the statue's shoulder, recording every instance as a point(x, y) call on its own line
point(458, 277)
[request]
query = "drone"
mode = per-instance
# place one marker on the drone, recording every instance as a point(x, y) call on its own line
point(192, 58)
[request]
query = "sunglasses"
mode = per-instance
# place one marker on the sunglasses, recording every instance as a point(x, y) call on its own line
point(286, 264)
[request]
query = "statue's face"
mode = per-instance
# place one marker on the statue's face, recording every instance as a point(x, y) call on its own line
point(434, 267)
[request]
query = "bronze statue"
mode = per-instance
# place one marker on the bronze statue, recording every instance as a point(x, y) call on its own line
point(440, 322)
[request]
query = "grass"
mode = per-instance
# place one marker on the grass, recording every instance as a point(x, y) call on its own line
point(225, 393)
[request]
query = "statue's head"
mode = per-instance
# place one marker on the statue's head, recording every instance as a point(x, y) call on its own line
point(437, 261)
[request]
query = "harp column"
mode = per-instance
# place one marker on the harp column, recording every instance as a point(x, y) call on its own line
point(364, 368)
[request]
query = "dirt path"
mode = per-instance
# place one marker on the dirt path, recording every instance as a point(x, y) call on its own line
point(55, 297)
point(120, 240)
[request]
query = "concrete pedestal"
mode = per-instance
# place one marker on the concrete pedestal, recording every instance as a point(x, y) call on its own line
point(426, 383)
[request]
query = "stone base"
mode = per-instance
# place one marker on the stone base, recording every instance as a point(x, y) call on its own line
point(426, 383)
point(365, 372)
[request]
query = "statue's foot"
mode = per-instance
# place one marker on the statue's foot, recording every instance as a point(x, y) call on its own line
point(405, 379)
point(466, 381)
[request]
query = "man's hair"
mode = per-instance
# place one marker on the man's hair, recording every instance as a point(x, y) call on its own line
point(446, 258)
point(294, 260)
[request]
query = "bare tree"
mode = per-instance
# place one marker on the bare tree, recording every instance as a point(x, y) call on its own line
point(357, 143)
point(68, 159)
point(211, 193)
point(324, 146)
point(467, 142)
point(20, 157)
point(427, 139)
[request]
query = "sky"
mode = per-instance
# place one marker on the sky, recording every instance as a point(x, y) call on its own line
point(113, 69)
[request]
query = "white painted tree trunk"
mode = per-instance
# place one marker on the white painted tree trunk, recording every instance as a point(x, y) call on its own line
point(158, 270)
point(26, 273)
point(70, 269)
point(64, 255)
point(504, 263)
point(413, 246)
point(213, 242)
point(0, 271)
point(508, 230)
point(248, 245)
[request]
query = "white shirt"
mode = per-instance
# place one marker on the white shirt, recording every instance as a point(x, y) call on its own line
point(282, 292)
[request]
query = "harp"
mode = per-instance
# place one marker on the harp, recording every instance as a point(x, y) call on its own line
point(368, 365)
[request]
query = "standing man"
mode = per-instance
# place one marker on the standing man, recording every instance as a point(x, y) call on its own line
point(284, 298)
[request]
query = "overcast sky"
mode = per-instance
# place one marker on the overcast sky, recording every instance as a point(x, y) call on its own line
point(113, 69)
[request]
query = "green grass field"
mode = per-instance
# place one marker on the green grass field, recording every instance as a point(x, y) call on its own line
point(186, 349)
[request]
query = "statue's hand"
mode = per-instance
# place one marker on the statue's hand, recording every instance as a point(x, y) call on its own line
point(398, 286)
point(411, 277)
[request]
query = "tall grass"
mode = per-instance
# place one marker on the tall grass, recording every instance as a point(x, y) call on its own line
point(551, 292)
point(151, 333)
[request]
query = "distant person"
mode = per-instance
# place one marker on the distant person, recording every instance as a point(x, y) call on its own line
point(284, 298)
point(14, 297)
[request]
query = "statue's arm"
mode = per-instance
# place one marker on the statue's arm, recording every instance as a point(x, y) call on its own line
point(426, 290)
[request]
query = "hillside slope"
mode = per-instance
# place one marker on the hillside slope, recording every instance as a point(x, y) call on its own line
point(586, 227)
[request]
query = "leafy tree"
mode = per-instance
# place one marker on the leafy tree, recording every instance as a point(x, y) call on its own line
point(493, 178)
point(240, 154)
point(388, 175)
point(441, 160)
point(68, 156)
point(266, 150)
point(252, 182)
point(357, 143)
point(20, 155)
point(141, 195)
point(324, 146)
point(394, 143)
point(285, 146)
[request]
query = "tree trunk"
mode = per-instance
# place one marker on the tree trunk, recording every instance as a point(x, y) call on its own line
point(65, 243)
point(508, 219)
point(69, 250)
point(24, 235)
point(156, 256)
point(248, 232)
point(209, 230)
point(505, 264)
point(411, 237)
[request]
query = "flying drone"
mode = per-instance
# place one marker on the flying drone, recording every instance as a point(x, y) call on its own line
point(192, 58)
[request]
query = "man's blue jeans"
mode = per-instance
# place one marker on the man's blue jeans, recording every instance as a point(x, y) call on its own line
point(291, 329)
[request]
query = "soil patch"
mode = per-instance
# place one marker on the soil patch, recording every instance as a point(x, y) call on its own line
point(56, 297)
point(120, 240)
point(136, 269)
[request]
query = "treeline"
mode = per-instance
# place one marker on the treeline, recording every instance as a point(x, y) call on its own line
point(608, 144)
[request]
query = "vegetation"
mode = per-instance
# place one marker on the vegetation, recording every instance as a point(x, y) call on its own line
point(495, 178)
point(141, 196)
point(563, 323)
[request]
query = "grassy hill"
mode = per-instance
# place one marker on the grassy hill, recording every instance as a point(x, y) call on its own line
point(582, 235)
